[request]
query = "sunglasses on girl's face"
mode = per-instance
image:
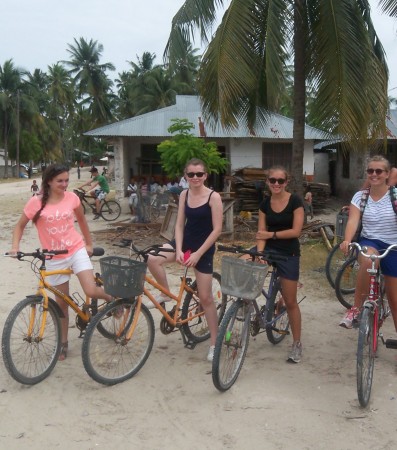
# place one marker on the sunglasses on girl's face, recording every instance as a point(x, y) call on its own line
point(198, 174)
point(277, 180)
point(377, 171)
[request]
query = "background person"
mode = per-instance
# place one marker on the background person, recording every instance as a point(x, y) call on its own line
point(99, 188)
point(53, 213)
point(379, 230)
point(280, 223)
point(132, 190)
point(34, 188)
point(198, 226)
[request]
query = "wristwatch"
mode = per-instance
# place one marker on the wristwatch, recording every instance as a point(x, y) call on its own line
point(274, 235)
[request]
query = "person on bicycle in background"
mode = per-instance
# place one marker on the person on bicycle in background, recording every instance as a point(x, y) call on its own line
point(198, 226)
point(99, 188)
point(281, 218)
point(53, 211)
point(379, 230)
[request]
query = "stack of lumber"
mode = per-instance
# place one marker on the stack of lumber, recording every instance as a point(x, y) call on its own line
point(249, 187)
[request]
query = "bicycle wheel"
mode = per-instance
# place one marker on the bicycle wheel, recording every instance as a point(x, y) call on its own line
point(231, 345)
point(113, 359)
point(366, 349)
point(333, 263)
point(196, 330)
point(110, 210)
point(345, 282)
point(276, 317)
point(28, 358)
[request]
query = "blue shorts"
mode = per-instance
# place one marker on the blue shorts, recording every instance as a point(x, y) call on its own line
point(387, 264)
point(288, 269)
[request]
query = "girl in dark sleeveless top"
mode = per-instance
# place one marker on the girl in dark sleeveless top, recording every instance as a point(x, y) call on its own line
point(198, 226)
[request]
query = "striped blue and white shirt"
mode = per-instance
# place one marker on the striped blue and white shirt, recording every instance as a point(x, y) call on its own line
point(379, 219)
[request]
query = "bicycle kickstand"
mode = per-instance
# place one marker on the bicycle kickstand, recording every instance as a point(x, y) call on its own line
point(187, 342)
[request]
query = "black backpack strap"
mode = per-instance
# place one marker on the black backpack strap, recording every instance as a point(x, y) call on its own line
point(393, 197)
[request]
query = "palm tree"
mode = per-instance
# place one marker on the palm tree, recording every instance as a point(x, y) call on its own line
point(90, 77)
point(389, 7)
point(334, 47)
point(10, 83)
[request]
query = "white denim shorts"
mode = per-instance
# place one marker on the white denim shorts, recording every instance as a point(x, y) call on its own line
point(78, 262)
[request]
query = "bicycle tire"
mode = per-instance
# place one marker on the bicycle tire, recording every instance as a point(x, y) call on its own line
point(105, 326)
point(333, 263)
point(345, 282)
point(110, 210)
point(277, 331)
point(366, 349)
point(196, 330)
point(113, 360)
point(31, 360)
point(231, 346)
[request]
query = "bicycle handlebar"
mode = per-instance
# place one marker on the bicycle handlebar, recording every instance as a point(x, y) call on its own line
point(154, 249)
point(268, 256)
point(49, 254)
point(363, 250)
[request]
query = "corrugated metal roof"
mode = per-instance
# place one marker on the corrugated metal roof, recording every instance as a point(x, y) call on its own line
point(391, 124)
point(156, 124)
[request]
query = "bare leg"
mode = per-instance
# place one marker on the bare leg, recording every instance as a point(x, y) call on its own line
point(289, 289)
point(65, 319)
point(86, 278)
point(156, 266)
point(362, 282)
point(204, 286)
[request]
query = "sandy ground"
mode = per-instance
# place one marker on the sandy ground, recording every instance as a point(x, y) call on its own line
point(172, 403)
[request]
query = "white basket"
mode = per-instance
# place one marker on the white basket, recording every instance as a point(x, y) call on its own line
point(242, 278)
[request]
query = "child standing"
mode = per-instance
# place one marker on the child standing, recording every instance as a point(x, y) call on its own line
point(34, 188)
point(308, 204)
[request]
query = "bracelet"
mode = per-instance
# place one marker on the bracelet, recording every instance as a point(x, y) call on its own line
point(274, 235)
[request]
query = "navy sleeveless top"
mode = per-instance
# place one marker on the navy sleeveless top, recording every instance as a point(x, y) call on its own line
point(198, 226)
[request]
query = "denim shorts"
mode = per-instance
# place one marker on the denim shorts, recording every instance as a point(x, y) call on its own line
point(78, 262)
point(387, 264)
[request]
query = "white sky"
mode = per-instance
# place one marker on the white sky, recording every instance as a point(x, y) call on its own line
point(35, 33)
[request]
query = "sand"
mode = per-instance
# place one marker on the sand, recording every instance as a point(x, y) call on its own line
point(172, 403)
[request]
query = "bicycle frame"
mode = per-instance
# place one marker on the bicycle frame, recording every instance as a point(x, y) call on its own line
point(42, 289)
point(184, 287)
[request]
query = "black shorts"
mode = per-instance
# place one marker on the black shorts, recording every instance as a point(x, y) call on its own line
point(205, 263)
point(288, 269)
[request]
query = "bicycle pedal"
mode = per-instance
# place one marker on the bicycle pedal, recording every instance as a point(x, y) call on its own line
point(391, 343)
point(190, 345)
point(283, 332)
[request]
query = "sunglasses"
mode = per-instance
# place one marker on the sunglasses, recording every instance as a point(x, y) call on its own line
point(198, 174)
point(377, 171)
point(277, 180)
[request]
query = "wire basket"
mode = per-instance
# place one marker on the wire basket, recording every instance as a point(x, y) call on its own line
point(123, 277)
point(242, 278)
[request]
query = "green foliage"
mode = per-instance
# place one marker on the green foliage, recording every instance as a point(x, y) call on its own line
point(183, 146)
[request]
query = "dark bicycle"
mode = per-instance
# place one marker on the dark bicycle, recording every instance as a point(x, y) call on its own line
point(110, 209)
point(245, 280)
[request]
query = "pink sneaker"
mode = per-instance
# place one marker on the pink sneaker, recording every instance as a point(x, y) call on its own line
point(350, 317)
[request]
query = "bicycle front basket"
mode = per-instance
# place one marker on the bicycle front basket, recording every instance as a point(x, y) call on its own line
point(242, 278)
point(123, 277)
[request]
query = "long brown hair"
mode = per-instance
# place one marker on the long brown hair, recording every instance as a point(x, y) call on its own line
point(49, 174)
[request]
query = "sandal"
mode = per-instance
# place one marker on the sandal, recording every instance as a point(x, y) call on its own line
point(64, 351)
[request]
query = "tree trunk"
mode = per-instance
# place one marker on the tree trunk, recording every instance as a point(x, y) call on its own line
point(299, 99)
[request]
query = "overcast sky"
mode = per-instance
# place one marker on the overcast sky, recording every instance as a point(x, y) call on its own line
point(35, 33)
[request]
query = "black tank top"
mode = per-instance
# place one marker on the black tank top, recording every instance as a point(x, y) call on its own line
point(198, 225)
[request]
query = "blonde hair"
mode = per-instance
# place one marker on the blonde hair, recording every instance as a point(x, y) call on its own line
point(381, 159)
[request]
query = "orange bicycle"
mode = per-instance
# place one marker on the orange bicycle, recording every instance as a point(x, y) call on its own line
point(31, 340)
point(119, 356)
